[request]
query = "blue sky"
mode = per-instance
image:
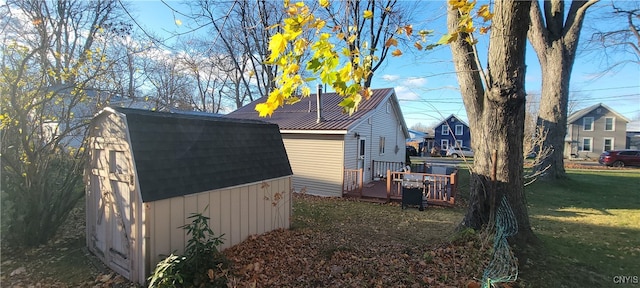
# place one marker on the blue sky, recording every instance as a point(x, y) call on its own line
point(426, 84)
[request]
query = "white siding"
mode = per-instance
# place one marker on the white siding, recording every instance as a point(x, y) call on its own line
point(382, 123)
point(317, 163)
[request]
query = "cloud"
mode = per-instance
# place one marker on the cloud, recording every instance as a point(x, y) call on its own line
point(405, 87)
point(390, 78)
point(415, 81)
point(406, 93)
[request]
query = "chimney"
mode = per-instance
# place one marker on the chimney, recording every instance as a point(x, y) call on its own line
point(319, 103)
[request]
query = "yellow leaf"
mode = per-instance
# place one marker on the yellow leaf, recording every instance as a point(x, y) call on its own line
point(277, 45)
point(366, 93)
point(178, 22)
point(396, 53)
point(457, 3)
point(367, 14)
point(485, 13)
point(484, 30)
point(391, 42)
point(418, 45)
point(324, 3)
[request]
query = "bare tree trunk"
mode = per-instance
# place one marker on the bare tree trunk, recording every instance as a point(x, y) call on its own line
point(496, 116)
point(555, 45)
point(552, 116)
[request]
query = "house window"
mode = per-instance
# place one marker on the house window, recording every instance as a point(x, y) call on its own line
point(382, 140)
point(609, 124)
point(587, 124)
point(608, 144)
point(445, 129)
point(362, 147)
point(459, 143)
point(444, 144)
point(586, 144)
point(459, 129)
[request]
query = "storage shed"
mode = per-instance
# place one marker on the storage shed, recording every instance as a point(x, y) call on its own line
point(148, 171)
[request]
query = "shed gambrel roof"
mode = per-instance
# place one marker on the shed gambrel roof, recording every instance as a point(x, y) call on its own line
point(180, 154)
point(301, 116)
point(580, 113)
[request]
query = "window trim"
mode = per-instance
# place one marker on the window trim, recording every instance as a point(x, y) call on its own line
point(444, 130)
point(461, 129)
point(459, 143)
point(590, 144)
point(443, 145)
point(584, 122)
point(613, 123)
point(604, 143)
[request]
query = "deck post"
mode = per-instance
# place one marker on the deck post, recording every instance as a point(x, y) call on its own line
point(454, 186)
point(360, 182)
point(388, 185)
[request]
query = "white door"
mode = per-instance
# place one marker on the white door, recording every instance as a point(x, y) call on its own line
point(363, 157)
point(119, 237)
point(97, 210)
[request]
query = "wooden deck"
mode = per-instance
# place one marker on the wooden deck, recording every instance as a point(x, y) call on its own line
point(440, 189)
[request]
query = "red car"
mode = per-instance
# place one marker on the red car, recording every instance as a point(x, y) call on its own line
point(620, 158)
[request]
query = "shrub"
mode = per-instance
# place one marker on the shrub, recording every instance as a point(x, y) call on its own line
point(37, 196)
point(202, 265)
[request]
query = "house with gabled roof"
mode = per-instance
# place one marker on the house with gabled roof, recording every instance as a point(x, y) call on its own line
point(322, 142)
point(452, 132)
point(148, 172)
point(593, 130)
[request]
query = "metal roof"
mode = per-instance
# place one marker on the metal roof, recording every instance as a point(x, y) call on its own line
point(301, 117)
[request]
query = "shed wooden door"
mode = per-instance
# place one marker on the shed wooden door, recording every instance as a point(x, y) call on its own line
point(112, 186)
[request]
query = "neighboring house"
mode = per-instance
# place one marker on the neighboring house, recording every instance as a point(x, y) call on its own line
point(322, 143)
point(452, 132)
point(594, 130)
point(422, 141)
point(83, 112)
point(633, 135)
point(148, 172)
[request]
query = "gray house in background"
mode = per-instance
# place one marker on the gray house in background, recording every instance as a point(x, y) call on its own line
point(633, 135)
point(594, 130)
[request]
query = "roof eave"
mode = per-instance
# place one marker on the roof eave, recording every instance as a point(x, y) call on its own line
point(330, 132)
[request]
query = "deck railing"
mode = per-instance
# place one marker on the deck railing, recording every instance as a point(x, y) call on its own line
point(352, 182)
point(439, 189)
point(380, 168)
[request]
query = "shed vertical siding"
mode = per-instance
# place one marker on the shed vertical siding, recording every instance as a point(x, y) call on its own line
point(231, 211)
point(317, 162)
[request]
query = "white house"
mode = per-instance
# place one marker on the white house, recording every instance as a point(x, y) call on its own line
point(322, 142)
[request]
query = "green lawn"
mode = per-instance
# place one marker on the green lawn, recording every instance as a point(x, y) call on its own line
point(589, 226)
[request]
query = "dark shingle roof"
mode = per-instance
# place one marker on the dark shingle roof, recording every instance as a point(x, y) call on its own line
point(179, 154)
point(302, 115)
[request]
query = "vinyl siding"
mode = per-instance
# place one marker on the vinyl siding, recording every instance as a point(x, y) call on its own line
point(237, 212)
point(317, 163)
point(576, 133)
point(380, 124)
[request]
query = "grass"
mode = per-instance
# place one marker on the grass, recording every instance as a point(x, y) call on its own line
point(589, 226)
